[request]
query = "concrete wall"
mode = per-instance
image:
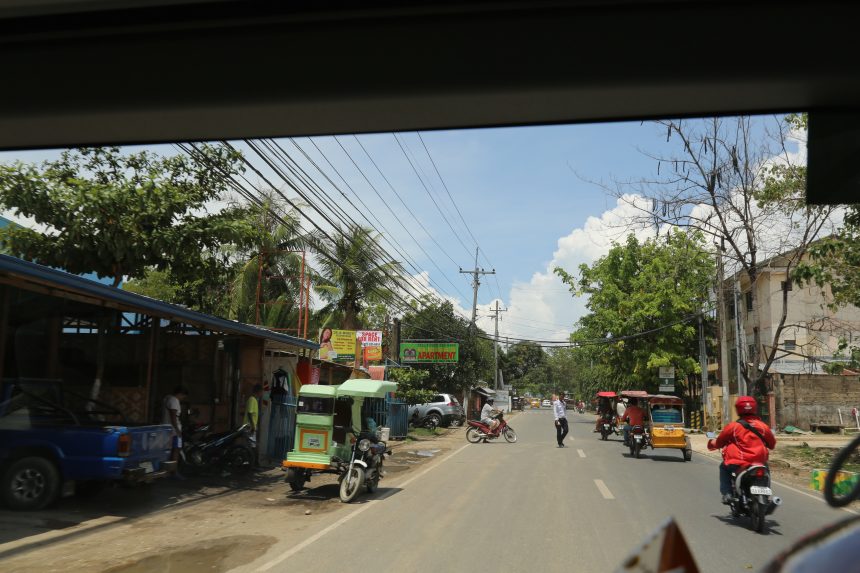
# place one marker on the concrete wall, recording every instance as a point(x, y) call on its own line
point(804, 400)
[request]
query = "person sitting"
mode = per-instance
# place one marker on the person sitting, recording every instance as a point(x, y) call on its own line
point(488, 415)
point(633, 416)
point(744, 443)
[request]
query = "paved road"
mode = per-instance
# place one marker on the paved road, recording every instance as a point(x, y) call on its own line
point(531, 506)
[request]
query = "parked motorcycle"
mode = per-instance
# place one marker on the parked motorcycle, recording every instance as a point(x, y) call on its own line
point(752, 496)
point(478, 431)
point(229, 450)
point(430, 421)
point(365, 466)
point(637, 440)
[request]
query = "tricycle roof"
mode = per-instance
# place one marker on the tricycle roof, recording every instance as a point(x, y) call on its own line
point(606, 395)
point(664, 399)
point(318, 390)
point(366, 388)
point(634, 393)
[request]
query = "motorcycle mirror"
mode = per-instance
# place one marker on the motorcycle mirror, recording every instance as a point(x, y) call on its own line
point(711, 435)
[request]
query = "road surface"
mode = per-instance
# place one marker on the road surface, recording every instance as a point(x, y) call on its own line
point(532, 506)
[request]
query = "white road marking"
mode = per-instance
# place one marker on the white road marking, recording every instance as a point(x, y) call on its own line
point(604, 491)
point(296, 548)
point(581, 453)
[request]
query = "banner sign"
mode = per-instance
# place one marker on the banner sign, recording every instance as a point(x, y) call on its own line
point(369, 337)
point(429, 352)
point(372, 353)
point(337, 345)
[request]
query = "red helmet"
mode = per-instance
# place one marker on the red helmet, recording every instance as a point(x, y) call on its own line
point(746, 406)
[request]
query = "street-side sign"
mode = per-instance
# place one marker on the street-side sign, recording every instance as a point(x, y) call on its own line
point(667, 372)
point(429, 352)
point(369, 337)
point(337, 345)
point(667, 387)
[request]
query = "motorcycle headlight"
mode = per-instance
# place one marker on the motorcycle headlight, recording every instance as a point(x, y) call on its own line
point(364, 445)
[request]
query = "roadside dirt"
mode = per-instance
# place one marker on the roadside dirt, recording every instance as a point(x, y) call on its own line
point(201, 524)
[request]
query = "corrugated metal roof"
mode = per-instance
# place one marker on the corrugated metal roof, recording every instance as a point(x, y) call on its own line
point(38, 274)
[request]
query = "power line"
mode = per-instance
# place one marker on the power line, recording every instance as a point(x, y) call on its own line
point(457, 208)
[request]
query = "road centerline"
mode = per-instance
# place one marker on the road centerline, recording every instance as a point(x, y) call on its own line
point(580, 452)
point(604, 491)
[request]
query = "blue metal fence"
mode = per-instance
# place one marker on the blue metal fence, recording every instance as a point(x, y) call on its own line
point(398, 420)
point(282, 425)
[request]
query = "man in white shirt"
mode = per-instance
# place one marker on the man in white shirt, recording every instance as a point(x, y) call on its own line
point(561, 427)
point(171, 408)
point(488, 415)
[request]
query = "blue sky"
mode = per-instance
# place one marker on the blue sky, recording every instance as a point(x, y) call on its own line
point(525, 194)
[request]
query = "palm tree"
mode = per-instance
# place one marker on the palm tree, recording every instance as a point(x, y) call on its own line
point(267, 288)
point(352, 273)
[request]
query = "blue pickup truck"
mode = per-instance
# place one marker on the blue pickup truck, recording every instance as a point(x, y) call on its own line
point(53, 442)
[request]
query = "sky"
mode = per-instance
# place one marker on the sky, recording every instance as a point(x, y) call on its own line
point(528, 196)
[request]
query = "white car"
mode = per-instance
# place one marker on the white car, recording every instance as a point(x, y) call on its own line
point(546, 403)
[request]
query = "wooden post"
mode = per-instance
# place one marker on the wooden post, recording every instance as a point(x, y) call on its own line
point(155, 324)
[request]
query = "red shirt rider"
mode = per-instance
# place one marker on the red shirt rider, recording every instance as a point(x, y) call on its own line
point(742, 447)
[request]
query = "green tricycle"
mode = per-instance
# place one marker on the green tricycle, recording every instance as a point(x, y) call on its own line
point(331, 436)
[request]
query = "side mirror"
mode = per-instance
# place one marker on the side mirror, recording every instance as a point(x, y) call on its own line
point(711, 435)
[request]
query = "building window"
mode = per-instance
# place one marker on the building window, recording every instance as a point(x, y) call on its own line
point(749, 301)
point(789, 344)
point(785, 285)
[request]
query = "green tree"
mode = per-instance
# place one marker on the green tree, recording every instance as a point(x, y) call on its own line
point(638, 288)
point(352, 275)
point(412, 385)
point(739, 182)
point(118, 215)
point(524, 366)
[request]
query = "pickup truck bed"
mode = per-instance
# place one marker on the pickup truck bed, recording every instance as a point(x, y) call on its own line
point(46, 448)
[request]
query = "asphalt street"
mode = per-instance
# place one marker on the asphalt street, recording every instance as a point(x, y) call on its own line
point(531, 506)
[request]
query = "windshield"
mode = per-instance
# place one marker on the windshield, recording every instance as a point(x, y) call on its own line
point(313, 405)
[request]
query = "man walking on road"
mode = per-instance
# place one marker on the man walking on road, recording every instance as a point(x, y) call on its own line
point(561, 428)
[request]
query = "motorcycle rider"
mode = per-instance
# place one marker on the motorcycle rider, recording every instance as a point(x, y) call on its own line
point(633, 416)
point(488, 415)
point(604, 409)
point(745, 443)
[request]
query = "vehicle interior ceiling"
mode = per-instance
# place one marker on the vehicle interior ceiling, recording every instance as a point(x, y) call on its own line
point(501, 64)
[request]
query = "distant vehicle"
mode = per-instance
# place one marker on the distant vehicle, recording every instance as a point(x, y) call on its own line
point(445, 409)
point(52, 440)
point(546, 403)
point(535, 403)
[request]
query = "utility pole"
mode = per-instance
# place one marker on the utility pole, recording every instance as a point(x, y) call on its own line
point(703, 364)
point(739, 342)
point(724, 350)
point(476, 282)
point(496, 311)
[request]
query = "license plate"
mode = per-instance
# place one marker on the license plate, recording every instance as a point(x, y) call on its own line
point(147, 467)
point(637, 438)
point(605, 426)
point(758, 490)
point(669, 428)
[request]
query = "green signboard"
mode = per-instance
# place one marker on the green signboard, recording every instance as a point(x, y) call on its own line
point(429, 352)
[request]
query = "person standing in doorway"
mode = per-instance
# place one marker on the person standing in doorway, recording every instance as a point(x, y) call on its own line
point(171, 410)
point(252, 417)
point(561, 427)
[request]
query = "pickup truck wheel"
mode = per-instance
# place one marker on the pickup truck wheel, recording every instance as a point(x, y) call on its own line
point(30, 484)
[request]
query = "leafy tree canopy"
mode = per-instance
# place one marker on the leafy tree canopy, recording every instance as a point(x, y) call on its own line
point(119, 214)
point(638, 288)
